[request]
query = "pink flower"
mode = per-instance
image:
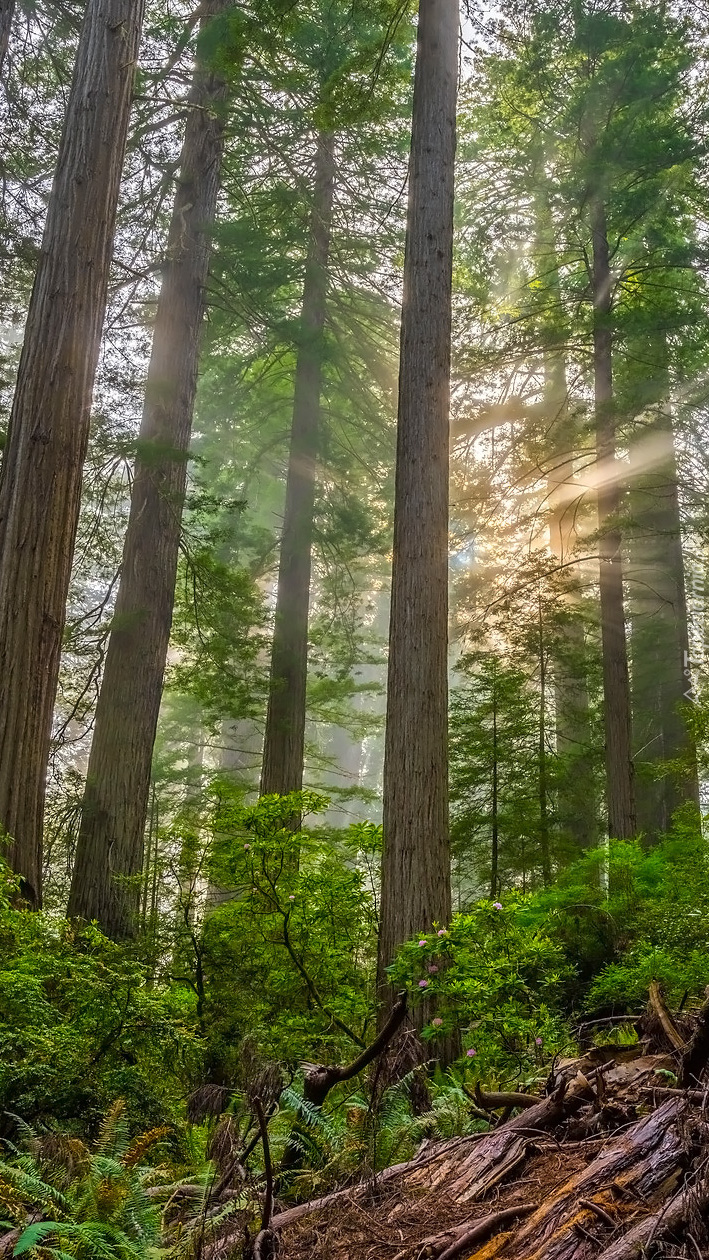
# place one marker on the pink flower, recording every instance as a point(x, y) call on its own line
point(292, 897)
point(423, 984)
point(246, 848)
point(437, 1023)
point(433, 969)
point(423, 943)
point(471, 1053)
point(442, 932)
point(497, 905)
point(537, 1041)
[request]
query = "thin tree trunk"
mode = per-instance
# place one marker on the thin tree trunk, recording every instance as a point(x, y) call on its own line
point(109, 855)
point(40, 488)
point(416, 877)
point(577, 793)
point(7, 13)
point(616, 686)
point(495, 846)
point(284, 740)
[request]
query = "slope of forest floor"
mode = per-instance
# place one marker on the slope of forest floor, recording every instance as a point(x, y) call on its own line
point(612, 1163)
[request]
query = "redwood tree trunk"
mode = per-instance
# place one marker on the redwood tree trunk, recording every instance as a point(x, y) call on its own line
point(616, 686)
point(659, 640)
point(416, 891)
point(576, 790)
point(284, 740)
point(40, 488)
point(7, 12)
point(109, 855)
point(542, 782)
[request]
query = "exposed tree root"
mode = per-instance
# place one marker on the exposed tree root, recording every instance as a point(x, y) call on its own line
point(611, 1164)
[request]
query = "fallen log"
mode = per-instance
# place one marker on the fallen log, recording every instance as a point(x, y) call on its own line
point(668, 1219)
point(633, 1168)
point(468, 1175)
point(698, 1097)
point(472, 1166)
point(491, 1100)
point(452, 1242)
point(696, 1056)
point(470, 1198)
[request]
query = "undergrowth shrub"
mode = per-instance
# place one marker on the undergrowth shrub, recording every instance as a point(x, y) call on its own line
point(79, 1027)
point(500, 985)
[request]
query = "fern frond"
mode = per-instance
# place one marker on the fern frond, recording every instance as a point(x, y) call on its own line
point(113, 1136)
point(25, 1180)
point(135, 1154)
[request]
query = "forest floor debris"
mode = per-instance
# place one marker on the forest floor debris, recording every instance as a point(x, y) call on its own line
point(611, 1164)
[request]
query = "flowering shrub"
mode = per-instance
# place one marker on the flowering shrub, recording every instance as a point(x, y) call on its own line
point(501, 985)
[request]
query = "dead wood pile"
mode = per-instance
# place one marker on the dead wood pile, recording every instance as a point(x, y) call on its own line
point(612, 1163)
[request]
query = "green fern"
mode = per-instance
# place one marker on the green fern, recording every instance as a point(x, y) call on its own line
point(101, 1211)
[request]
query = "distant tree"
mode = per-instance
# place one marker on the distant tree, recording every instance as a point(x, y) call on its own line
point(284, 740)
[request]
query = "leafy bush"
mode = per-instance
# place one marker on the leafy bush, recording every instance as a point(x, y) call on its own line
point(288, 952)
point(628, 916)
point(79, 1027)
point(498, 983)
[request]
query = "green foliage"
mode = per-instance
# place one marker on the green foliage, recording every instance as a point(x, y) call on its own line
point(288, 947)
point(629, 915)
point(79, 1027)
point(93, 1203)
point(502, 986)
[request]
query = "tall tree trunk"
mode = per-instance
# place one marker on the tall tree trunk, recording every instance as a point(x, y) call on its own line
point(659, 640)
point(577, 791)
point(543, 785)
point(616, 686)
point(109, 855)
point(416, 877)
point(7, 13)
point(284, 740)
point(495, 837)
point(40, 488)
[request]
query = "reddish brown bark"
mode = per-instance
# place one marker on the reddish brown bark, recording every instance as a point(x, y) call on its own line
point(40, 488)
point(110, 848)
point(659, 640)
point(7, 13)
point(416, 860)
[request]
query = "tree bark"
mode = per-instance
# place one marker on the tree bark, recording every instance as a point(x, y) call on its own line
point(577, 792)
point(109, 856)
point(542, 779)
point(40, 487)
point(616, 684)
point(7, 13)
point(284, 740)
point(659, 640)
point(416, 890)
